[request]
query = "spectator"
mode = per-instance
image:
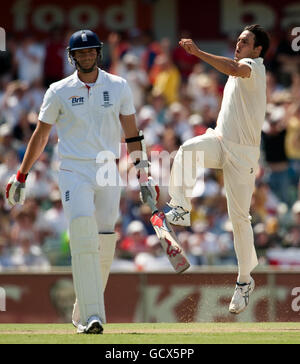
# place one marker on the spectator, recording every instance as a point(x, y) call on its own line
point(177, 117)
point(54, 218)
point(169, 111)
point(296, 213)
point(192, 83)
point(147, 122)
point(204, 95)
point(153, 260)
point(272, 86)
point(10, 166)
point(153, 49)
point(196, 122)
point(273, 138)
point(292, 239)
point(159, 105)
point(30, 59)
point(7, 59)
point(292, 140)
point(295, 86)
point(5, 256)
point(26, 250)
point(135, 242)
point(13, 102)
point(23, 228)
point(264, 203)
point(226, 244)
point(168, 80)
point(54, 57)
point(130, 69)
point(145, 216)
point(286, 58)
point(7, 140)
point(262, 242)
point(4, 223)
point(25, 127)
point(34, 96)
point(28, 255)
point(206, 242)
point(136, 42)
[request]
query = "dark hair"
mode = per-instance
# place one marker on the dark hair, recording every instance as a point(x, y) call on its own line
point(261, 38)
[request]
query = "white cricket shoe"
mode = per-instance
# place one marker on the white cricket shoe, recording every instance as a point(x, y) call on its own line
point(75, 323)
point(178, 216)
point(93, 326)
point(240, 298)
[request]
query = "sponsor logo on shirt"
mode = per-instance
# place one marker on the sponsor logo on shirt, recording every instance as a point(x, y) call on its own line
point(76, 100)
point(106, 101)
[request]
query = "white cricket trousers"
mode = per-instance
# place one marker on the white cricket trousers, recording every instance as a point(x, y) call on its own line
point(239, 164)
point(82, 196)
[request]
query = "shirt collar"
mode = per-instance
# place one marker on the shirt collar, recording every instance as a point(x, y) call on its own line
point(78, 83)
point(259, 59)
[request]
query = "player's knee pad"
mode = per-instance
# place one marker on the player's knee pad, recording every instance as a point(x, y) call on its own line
point(85, 253)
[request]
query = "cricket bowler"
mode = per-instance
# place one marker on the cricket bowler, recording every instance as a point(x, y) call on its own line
point(89, 108)
point(233, 146)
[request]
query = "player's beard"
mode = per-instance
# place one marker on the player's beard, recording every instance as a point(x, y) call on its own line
point(86, 70)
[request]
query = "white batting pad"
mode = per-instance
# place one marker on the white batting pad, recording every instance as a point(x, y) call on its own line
point(86, 268)
point(107, 252)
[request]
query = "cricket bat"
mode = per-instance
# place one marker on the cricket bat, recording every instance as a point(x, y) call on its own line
point(168, 239)
point(164, 231)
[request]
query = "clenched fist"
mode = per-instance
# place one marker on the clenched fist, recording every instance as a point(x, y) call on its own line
point(189, 46)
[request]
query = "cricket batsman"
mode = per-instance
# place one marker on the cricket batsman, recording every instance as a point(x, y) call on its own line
point(233, 146)
point(89, 108)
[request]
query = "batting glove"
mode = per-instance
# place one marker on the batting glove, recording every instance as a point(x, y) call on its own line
point(149, 190)
point(15, 189)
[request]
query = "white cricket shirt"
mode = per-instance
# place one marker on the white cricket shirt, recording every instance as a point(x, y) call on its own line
point(87, 119)
point(244, 105)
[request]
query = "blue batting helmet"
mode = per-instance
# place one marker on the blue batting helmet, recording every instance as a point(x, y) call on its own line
point(84, 39)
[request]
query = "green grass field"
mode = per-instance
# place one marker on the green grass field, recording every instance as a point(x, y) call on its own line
point(161, 333)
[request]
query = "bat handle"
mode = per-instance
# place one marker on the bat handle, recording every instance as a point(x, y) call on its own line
point(152, 205)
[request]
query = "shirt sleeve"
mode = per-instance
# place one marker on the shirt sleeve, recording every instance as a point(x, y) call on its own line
point(49, 111)
point(249, 62)
point(127, 104)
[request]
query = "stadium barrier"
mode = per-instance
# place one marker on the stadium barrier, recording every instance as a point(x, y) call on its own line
point(198, 296)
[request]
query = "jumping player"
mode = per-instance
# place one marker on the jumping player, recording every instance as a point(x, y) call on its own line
point(233, 146)
point(89, 109)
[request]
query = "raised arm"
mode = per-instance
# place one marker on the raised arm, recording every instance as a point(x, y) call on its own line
point(225, 65)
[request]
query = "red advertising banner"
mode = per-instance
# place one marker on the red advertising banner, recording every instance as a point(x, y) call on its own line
point(141, 297)
point(165, 18)
point(40, 16)
point(218, 19)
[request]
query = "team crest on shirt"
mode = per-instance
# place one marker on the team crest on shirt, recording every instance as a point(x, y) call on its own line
point(106, 99)
point(76, 100)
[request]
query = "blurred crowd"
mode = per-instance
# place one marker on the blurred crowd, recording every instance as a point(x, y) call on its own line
point(176, 97)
